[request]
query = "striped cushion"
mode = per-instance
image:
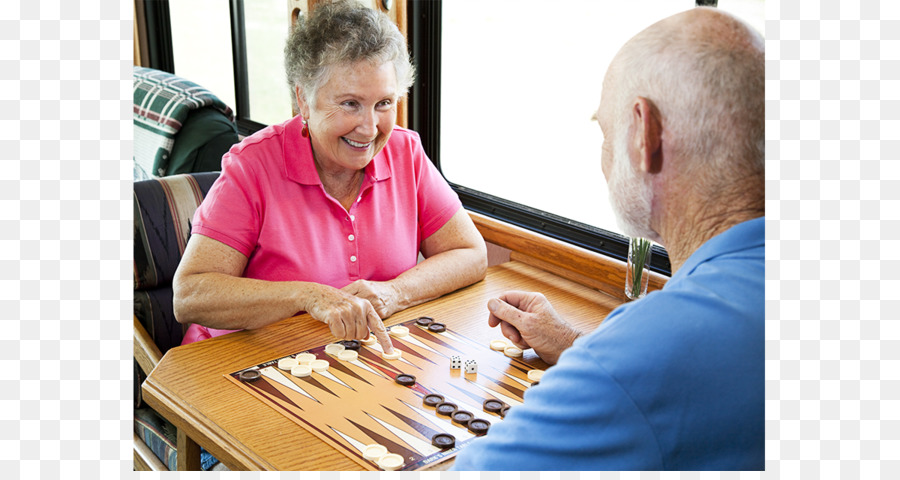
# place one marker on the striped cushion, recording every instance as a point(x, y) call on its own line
point(163, 210)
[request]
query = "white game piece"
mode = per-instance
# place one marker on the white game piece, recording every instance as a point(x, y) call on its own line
point(334, 348)
point(301, 371)
point(287, 363)
point(374, 451)
point(535, 375)
point(499, 345)
point(391, 461)
point(305, 358)
point(391, 356)
point(512, 351)
point(369, 341)
point(348, 355)
point(399, 331)
point(319, 365)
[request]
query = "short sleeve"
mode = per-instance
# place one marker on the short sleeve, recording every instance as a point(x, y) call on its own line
point(230, 213)
point(436, 200)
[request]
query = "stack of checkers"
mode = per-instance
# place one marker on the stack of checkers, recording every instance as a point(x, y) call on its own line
point(345, 350)
point(493, 405)
point(380, 455)
point(506, 348)
point(462, 418)
point(429, 324)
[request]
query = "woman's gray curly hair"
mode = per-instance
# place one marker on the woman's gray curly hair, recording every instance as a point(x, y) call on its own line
point(342, 32)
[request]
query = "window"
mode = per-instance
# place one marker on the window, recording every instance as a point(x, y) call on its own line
point(503, 99)
point(205, 36)
point(267, 28)
point(201, 44)
point(518, 83)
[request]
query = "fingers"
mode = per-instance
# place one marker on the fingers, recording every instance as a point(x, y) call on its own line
point(505, 312)
point(513, 335)
point(336, 325)
point(377, 327)
point(517, 298)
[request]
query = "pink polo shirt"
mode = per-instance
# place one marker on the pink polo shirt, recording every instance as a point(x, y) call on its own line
point(269, 204)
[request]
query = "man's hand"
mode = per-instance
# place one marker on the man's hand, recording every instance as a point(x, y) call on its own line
point(528, 320)
point(348, 316)
point(382, 295)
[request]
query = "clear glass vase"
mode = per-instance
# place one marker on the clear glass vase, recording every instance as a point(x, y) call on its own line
point(637, 272)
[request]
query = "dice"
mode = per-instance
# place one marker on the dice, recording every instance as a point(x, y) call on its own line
point(471, 366)
point(455, 362)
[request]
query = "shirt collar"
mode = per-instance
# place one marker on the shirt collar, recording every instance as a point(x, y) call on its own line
point(743, 236)
point(300, 167)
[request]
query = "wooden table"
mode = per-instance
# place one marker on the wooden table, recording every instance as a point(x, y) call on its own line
point(187, 386)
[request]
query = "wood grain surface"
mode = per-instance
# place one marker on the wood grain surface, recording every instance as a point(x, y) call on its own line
point(564, 259)
point(188, 385)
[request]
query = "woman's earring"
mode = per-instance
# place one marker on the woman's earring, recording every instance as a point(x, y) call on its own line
point(305, 130)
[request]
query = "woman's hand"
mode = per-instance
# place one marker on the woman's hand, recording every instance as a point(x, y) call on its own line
point(348, 316)
point(383, 296)
point(529, 321)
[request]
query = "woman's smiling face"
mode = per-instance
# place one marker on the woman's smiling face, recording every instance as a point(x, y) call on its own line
point(354, 114)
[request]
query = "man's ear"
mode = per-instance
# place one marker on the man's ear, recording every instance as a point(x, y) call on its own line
point(302, 106)
point(647, 136)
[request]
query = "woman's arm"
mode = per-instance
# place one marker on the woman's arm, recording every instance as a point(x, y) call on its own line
point(209, 290)
point(455, 257)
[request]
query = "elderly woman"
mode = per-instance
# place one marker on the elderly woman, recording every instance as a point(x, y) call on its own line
point(328, 212)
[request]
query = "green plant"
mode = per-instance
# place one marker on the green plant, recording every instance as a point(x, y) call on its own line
point(639, 256)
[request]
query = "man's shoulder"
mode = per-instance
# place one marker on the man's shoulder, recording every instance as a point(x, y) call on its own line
point(721, 298)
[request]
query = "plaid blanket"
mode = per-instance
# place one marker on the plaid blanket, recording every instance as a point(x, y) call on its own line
point(162, 102)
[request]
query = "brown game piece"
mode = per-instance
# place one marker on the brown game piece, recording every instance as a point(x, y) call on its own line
point(432, 400)
point(503, 411)
point(493, 405)
point(437, 327)
point(461, 417)
point(445, 408)
point(250, 375)
point(479, 426)
point(443, 441)
point(424, 321)
point(535, 383)
point(405, 379)
point(350, 344)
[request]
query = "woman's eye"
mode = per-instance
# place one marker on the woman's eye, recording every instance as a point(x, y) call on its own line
point(350, 103)
point(385, 104)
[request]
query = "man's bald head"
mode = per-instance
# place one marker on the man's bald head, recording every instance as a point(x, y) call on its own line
point(704, 71)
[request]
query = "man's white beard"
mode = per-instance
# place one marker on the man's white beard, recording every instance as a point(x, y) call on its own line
point(630, 196)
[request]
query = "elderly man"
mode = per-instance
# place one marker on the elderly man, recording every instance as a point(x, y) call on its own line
point(674, 381)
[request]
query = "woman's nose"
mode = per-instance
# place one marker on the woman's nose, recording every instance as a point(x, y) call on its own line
point(368, 124)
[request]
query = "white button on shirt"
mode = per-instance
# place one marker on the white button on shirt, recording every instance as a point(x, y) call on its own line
point(352, 258)
point(352, 218)
point(350, 237)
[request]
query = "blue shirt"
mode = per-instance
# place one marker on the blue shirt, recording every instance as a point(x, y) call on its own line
point(674, 381)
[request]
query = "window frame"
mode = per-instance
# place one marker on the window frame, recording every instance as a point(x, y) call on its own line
point(424, 38)
point(161, 57)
